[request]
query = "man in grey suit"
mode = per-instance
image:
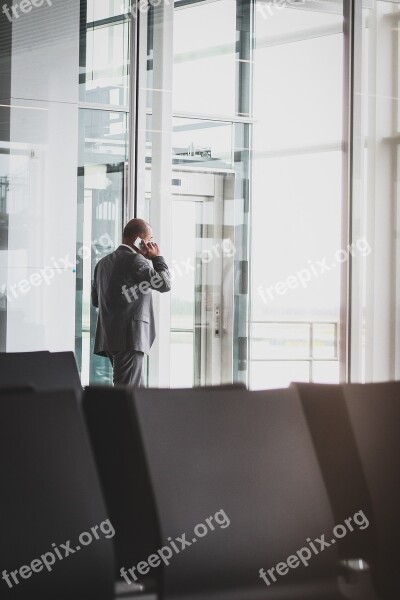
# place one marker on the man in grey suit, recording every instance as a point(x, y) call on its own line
point(122, 291)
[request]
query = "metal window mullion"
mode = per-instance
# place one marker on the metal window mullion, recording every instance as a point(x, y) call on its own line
point(351, 13)
point(130, 200)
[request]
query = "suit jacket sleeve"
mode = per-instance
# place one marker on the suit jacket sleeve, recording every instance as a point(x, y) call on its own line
point(158, 277)
point(95, 297)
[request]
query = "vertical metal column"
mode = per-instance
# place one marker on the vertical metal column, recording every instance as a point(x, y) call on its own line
point(130, 208)
point(349, 14)
point(242, 162)
point(5, 133)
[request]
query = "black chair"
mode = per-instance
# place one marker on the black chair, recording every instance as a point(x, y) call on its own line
point(374, 411)
point(355, 429)
point(123, 475)
point(42, 371)
point(50, 494)
point(171, 459)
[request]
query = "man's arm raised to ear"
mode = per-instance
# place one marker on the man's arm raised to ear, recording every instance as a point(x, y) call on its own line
point(158, 277)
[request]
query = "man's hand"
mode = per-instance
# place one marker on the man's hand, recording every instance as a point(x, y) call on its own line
point(150, 250)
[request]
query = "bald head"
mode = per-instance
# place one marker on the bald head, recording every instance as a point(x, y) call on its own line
point(136, 228)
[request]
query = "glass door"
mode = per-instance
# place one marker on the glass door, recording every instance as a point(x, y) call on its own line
point(202, 293)
point(183, 301)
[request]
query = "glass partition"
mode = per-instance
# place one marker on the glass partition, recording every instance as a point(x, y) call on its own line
point(202, 142)
point(375, 316)
point(103, 160)
point(205, 55)
point(297, 193)
point(104, 52)
point(101, 192)
point(193, 172)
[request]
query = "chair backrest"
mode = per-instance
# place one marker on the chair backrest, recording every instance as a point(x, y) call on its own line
point(336, 448)
point(51, 501)
point(374, 411)
point(237, 472)
point(43, 371)
point(118, 452)
point(355, 429)
point(115, 438)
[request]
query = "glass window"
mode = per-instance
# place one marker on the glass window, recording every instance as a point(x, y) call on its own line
point(296, 190)
point(375, 318)
point(101, 192)
point(202, 142)
point(100, 10)
point(205, 55)
point(104, 59)
point(103, 160)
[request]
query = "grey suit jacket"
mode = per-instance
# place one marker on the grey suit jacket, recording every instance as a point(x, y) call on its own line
point(122, 291)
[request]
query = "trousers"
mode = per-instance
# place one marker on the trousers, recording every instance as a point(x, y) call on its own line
point(127, 367)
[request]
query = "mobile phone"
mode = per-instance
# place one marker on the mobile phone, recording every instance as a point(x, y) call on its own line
point(138, 244)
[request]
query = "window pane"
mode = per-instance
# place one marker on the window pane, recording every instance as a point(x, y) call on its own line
point(182, 364)
point(325, 337)
point(297, 178)
point(183, 248)
point(325, 371)
point(103, 9)
point(280, 340)
point(104, 59)
point(205, 58)
point(101, 195)
point(278, 374)
point(376, 264)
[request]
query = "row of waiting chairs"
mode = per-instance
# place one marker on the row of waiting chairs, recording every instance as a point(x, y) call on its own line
point(262, 475)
